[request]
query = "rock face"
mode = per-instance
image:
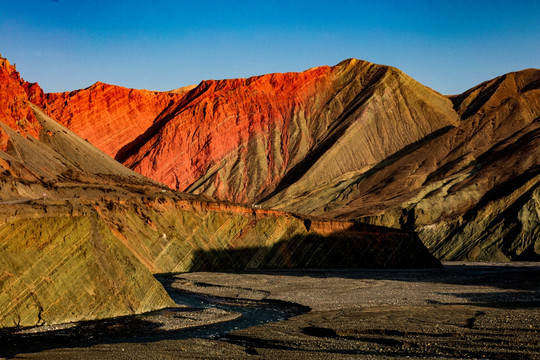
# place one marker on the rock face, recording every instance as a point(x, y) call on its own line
point(361, 142)
point(81, 235)
point(64, 266)
point(259, 139)
point(122, 114)
point(70, 268)
point(472, 192)
point(87, 258)
point(14, 92)
point(244, 140)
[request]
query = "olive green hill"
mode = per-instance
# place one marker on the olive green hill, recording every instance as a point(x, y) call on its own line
point(71, 260)
point(63, 268)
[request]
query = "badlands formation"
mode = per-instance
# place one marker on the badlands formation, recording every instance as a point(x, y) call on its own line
point(82, 236)
point(355, 165)
point(357, 142)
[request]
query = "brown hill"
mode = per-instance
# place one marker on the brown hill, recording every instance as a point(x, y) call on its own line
point(362, 142)
point(472, 192)
point(81, 235)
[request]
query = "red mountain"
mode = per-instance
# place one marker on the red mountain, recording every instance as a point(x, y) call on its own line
point(118, 113)
point(14, 92)
point(356, 141)
point(81, 235)
point(238, 139)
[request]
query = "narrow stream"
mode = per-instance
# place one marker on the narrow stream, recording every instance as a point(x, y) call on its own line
point(146, 327)
point(253, 313)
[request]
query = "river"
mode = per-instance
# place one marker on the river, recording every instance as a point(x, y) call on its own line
point(149, 327)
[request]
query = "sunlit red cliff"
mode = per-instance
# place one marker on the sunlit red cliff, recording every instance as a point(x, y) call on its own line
point(120, 113)
point(81, 235)
point(356, 141)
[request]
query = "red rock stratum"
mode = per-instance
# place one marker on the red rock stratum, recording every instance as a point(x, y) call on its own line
point(81, 235)
point(14, 94)
point(122, 114)
point(358, 141)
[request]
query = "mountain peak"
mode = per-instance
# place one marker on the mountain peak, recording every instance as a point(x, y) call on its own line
point(492, 93)
point(99, 84)
point(354, 61)
point(8, 69)
point(16, 93)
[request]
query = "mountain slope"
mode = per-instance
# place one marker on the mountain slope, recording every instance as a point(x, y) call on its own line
point(245, 140)
point(472, 192)
point(81, 235)
point(120, 113)
point(361, 142)
point(65, 266)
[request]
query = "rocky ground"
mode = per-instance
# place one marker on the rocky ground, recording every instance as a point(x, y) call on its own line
point(461, 311)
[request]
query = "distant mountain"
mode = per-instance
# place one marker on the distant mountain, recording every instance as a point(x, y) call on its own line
point(359, 142)
point(81, 235)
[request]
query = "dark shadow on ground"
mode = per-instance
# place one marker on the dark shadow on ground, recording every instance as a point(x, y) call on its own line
point(523, 283)
point(360, 246)
point(83, 334)
point(146, 328)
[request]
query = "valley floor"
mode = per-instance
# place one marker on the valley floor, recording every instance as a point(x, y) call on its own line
point(460, 311)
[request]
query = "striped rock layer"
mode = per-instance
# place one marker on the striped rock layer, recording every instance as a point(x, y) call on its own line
point(81, 235)
point(356, 141)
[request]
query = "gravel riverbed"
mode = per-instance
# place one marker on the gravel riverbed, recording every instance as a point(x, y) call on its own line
point(460, 311)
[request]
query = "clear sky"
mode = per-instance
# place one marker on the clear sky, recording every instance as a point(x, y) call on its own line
point(449, 45)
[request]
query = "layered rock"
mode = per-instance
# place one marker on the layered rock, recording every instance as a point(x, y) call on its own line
point(81, 235)
point(73, 259)
point(109, 116)
point(14, 112)
point(60, 268)
point(248, 140)
point(361, 142)
point(245, 140)
point(471, 192)
point(70, 268)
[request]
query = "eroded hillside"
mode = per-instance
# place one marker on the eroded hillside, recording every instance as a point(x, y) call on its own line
point(366, 143)
point(81, 236)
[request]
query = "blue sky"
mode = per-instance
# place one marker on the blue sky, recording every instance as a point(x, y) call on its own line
point(161, 45)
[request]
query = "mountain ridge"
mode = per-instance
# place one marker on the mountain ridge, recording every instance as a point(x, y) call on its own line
point(81, 235)
point(355, 141)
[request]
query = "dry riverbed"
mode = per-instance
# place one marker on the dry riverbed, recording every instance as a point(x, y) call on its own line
point(461, 311)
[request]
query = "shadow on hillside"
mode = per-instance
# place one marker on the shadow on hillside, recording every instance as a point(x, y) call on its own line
point(297, 171)
point(331, 256)
point(382, 256)
point(362, 246)
point(359, 246)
